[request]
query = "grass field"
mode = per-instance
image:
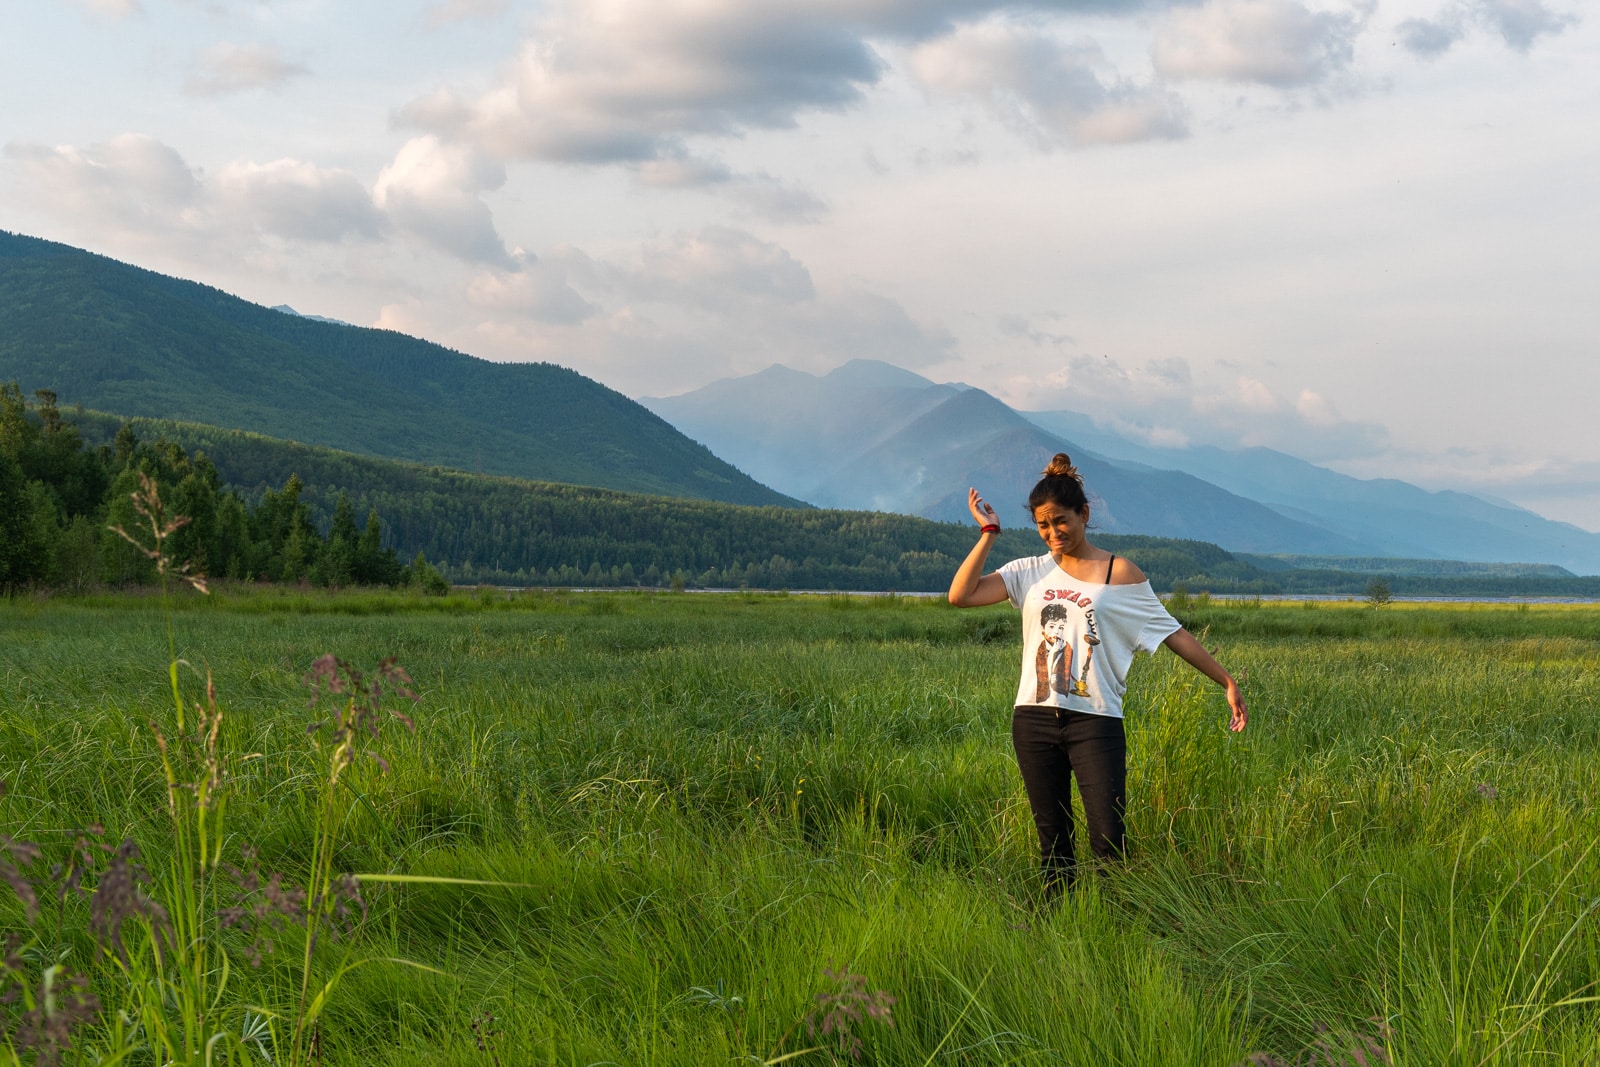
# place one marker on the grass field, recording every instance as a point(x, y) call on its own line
point(698, 805)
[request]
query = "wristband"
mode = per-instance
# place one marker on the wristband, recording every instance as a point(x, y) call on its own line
point(991, 528)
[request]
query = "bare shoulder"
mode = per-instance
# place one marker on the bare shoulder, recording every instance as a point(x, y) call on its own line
point(1126, 572)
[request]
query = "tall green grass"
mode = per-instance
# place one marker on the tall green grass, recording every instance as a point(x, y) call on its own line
point(697, 804)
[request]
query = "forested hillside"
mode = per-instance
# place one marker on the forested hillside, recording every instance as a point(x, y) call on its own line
point(77, 518)
point(117, 338)
point(273, 510)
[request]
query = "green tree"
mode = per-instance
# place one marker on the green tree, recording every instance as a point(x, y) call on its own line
point(21, 555)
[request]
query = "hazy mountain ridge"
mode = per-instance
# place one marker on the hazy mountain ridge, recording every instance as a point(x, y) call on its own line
point(119, 338)
point(916, 447)
point(1398, 518)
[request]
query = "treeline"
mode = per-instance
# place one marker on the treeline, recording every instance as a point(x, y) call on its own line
point(501, 531)
point(492, 530)
point(60, 500)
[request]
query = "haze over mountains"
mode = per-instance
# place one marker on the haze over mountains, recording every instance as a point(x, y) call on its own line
point(872, 435)
point(867, 436)
point(129, 341)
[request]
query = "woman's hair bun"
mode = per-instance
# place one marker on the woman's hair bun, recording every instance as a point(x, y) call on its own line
point(1061, 467)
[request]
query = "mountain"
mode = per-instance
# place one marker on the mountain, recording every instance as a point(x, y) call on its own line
point(876, 436)
point(118, 338)
point(1398, 518)
point(868, 435)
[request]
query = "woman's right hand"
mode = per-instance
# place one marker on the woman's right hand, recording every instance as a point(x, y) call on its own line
point(980, 509)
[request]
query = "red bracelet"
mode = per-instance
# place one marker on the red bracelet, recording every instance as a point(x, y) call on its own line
point(991, 528)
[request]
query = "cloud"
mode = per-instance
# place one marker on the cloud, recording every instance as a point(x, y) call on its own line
point(130, 183)
point(1431, 37)
point(631, 81)
point(114, 8)
point(133, 185)
point(688, 306)
point(235, 68)
point(1023, 327)
point(431, 191)
point(298, 200)
point(535, 290)
point(1162, 404)
point(759, 193)
point(1517, 23)
point(450, 11)
point(715, 265)
point(626, 81)
point(1058, 94)
point(1281, 43)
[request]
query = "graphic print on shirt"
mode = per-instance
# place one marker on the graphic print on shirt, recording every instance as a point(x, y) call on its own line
point(1053, 661)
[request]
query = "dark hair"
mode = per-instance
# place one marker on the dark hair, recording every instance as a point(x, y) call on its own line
point(1053, 610)
point(1061, 485)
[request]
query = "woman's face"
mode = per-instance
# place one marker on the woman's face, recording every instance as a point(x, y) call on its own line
point(1060, 527)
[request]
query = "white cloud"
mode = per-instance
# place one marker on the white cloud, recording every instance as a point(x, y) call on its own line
point(759, 194)
point(114, 8)
point(431, 191)
point(135, 186)
point(1431, 37)
point(631, 81)
point(449, 11)
point(1518, 24)
point(626, 81)
point(131, 183)
point(1281, 43)
point(1162, 404)
point(1059, 94)
point(692, 305)
point(535, 290)
point(234, 68)
point(297, 200)
point(713, 266)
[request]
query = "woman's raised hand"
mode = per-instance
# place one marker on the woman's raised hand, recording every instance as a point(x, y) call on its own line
point(981, 511)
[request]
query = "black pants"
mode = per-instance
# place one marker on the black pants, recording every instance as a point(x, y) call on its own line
point(1053, 746)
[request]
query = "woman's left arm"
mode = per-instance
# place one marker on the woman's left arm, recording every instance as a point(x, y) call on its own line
point(1195, 655)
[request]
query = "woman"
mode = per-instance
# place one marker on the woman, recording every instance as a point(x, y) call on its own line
point(1084, 614)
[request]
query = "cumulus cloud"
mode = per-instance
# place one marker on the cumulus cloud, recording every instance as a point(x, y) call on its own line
point(1057, 93)
point(135, 186)
point(680, 308)
point(298, 200)
point(534, 290)
point(235, 68)
point(450, 11)
point(715, 266)
point(1430, 37)
point(626, 81)
point(432, 191)
point(1164, 404)
point(1281, 43)
point(114, 8)
point(132, 182)
point(630, 81)
point(759, 193)
point(1518, 24)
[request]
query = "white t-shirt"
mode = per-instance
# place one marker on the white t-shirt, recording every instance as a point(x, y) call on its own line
point(1078, 638)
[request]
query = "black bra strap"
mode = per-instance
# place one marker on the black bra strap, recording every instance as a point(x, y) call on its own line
point(1109, 564)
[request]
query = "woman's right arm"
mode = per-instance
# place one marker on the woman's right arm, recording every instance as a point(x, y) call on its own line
point(971, 588)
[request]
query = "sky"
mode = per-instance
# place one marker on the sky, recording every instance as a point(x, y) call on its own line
point(1363, 232)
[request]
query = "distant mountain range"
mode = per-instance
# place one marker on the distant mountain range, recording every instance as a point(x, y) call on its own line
point(871, 435)
point(121, 339)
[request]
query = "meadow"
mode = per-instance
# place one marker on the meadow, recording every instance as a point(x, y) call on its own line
point(729, 828)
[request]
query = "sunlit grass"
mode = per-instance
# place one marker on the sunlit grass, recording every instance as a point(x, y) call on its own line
point(704, 801)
